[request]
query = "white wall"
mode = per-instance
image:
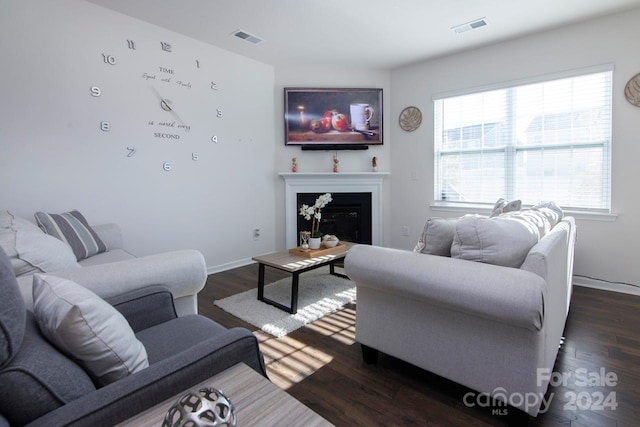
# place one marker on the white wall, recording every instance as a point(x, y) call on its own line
point(605, 250)
point(322, 161)
point(54, 157)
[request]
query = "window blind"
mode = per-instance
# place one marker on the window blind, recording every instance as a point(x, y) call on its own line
point(543, 140)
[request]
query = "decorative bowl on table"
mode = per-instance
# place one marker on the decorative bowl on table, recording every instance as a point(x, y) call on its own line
point(330, 241)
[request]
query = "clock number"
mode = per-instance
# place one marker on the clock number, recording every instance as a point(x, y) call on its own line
point(166, 166)
point(109, 59)
point(95, 91)
point(214, 138)
point(219, 113)
point(195, 157)
point(214, 86)
point(105, 126)
point(131, 44)
point(165, 46)
point(132, 151)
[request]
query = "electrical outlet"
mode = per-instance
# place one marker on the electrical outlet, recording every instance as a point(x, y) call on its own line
point(256, 234)
point(405, 230)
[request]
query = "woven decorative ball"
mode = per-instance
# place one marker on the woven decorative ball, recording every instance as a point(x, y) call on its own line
point(206, 407)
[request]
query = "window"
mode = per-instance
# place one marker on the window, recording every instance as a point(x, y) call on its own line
point(548, 139)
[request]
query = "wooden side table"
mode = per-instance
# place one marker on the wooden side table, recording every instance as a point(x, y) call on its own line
point(295, 265)
point(257, 402)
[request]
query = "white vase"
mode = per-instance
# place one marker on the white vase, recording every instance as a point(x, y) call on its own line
point(314, 243)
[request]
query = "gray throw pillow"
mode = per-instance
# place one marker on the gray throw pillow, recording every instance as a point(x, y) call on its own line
point(499, 241)
point(542, 217)
point(73, 229)
point(81, 324)
point(12, 312)
point(437, 237)
point(505, 239)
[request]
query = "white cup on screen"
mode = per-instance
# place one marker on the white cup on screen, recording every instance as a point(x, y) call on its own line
point(361, 115)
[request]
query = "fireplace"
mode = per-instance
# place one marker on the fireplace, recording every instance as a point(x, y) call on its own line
point(317, 183)
point(348, 216)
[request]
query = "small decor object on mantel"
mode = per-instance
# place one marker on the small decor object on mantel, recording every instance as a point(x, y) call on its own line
point(206, 407)
point(315, 212)
point(374, 164)
point(335, 163)
point(294, 164)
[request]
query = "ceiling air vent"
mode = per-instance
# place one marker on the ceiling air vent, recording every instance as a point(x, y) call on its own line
point(241, 34)
point(477, 23)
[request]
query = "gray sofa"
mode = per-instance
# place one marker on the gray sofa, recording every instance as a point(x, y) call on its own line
point(42, 386)
point(489, 327)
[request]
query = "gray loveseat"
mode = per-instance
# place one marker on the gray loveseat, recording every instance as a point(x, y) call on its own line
point(41, 386)
point(492, 328)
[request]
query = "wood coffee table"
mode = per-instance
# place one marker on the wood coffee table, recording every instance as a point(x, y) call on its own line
point(257, 401)
point(296, 264)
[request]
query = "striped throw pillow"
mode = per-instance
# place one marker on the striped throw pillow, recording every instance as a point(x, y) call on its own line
point(73, 229)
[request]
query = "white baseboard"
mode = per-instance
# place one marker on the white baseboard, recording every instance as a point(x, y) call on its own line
point(605, 286)
point(229, 265)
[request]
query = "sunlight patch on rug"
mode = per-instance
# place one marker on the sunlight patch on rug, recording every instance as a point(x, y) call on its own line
point(319, 294)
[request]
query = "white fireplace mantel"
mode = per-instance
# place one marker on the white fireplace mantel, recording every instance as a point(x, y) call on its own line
point(329, 182)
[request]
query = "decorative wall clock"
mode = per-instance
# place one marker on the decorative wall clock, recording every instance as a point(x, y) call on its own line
point(410, 119)
point(632, 90)
point(172, 82)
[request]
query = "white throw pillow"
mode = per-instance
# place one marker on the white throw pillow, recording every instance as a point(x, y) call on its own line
point(30, 249)
point(84, 326)
point(505, 239)
point(499, 241)
point(437, 237)
point(502, 206)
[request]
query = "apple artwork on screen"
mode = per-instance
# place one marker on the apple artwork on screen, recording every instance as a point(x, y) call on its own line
point(327, 118)
point(340, 122)
point(321, 125)
point(331, 119)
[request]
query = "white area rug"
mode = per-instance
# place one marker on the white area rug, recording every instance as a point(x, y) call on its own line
point(319, 293)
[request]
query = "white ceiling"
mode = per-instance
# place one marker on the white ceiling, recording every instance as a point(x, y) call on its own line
point(358, 33)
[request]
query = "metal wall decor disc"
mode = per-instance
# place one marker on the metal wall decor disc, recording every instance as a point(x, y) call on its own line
point(632, 90)
point(410, 119)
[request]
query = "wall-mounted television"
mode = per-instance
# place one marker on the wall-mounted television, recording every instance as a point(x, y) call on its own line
point(326, 119)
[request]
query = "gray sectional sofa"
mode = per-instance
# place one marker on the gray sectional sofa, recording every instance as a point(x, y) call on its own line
point(492, 328)
point(150, 302)
point(42, 386)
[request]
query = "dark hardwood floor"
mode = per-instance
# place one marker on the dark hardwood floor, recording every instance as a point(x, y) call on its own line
point(321, 365)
